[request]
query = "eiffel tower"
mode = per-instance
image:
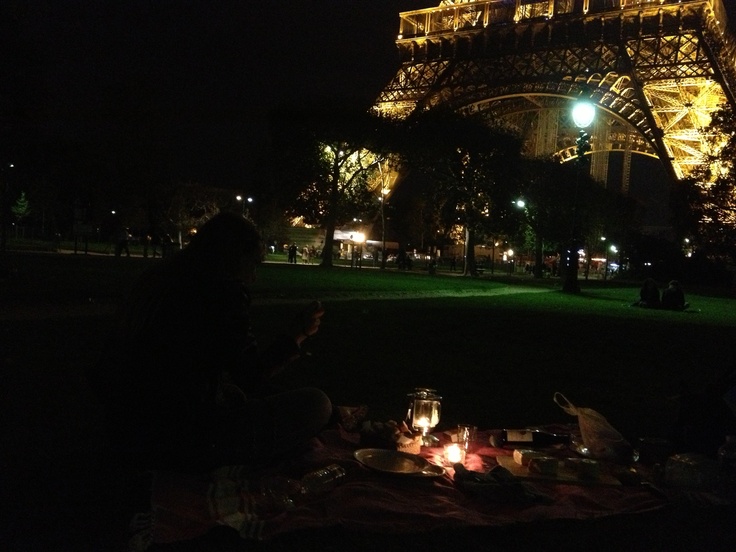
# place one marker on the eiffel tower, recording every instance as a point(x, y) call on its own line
point(655, 69)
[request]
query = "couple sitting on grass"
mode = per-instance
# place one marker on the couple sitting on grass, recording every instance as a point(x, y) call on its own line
point(673, 298)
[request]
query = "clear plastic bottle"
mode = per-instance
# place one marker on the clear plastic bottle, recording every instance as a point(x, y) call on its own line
point(276, 495)
point(323, 480)
point(727, 454)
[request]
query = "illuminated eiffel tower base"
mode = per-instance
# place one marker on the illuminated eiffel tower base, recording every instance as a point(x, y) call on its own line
point(656, 70)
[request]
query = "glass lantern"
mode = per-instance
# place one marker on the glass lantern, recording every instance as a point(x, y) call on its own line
point(424, 413)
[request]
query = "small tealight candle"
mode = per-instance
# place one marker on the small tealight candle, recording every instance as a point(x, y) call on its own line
point(454, 454)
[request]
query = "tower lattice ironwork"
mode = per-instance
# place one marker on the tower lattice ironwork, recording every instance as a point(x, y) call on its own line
point(656, 69)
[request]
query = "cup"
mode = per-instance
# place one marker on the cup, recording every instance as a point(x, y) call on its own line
point(466, 436)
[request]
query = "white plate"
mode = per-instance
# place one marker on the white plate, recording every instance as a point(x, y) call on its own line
point(392, 461)
point(432, 470)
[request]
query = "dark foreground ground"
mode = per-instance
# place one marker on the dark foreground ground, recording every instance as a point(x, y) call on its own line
point(497, 360)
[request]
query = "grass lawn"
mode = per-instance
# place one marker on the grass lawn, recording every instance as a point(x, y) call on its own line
point(498, 359)
point(496, 351)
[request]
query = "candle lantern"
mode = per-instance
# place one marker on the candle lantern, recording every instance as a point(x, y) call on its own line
point(424, 413)
point(454, 454)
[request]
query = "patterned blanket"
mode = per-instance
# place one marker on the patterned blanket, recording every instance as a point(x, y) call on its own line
point(185, 507)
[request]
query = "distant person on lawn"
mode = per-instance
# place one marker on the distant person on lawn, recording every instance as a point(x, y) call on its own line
point(183, 382)
point(673, 298)
point(167, 245)
point(648, 295)
point(292, 253)
point(123, 239)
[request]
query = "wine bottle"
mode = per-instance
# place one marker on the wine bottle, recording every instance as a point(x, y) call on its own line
point(528, 438)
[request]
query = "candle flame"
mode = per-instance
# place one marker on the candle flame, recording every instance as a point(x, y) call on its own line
point(422, 422)
point(454, 454)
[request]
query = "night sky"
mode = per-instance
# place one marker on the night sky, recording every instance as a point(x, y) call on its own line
point(179, 87)
point(120, 90)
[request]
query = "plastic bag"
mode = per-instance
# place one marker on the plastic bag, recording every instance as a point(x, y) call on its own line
point(600, 439)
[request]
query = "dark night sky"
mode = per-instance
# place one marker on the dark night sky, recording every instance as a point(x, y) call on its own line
point(103, 89)
point(182, 86)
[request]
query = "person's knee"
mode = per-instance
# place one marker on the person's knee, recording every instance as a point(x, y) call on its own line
point(320, 403)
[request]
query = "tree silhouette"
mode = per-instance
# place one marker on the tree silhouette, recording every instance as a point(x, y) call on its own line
point(324, 162)
point(467, 165)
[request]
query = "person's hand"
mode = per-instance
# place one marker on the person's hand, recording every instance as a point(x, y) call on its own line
point(307, 321)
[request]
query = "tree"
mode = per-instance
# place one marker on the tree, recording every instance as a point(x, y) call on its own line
point(558, 201)
point(324, 162)
point(704, 204)
point(467, 165)
point(192, 205)
point(21, 208)
point(544, 198)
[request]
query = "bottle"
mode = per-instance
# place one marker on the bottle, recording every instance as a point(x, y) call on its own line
point(519, 438)
point(727, 454)
point(323, 480)
point(275, 495)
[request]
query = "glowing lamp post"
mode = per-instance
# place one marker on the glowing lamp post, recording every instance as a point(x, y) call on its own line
point(613, 249)
point(242, 202)
point(358, 238)
point(538, 250)
point(583, 114)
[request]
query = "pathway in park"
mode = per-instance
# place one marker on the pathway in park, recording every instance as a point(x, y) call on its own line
point(408, 294)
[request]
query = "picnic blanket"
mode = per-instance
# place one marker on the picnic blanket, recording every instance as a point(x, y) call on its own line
point(186, 506)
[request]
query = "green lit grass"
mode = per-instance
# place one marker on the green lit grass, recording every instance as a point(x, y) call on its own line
point(496, 357)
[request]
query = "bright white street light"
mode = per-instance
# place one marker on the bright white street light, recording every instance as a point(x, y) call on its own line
point(583, 114)
point(243, 201)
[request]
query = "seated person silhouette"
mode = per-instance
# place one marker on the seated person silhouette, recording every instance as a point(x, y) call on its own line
point(648, 295)
point(673, 298)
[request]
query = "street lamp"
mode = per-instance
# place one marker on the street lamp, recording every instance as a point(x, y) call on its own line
point(358, 238)
point(493, 255)
point(614, 250)
point(605, 267)
point(688, 248)
point(242, 202)
point(538, 248)
point(384, 193)
point(385, 181)
point(4, 203)
point(583, 114)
